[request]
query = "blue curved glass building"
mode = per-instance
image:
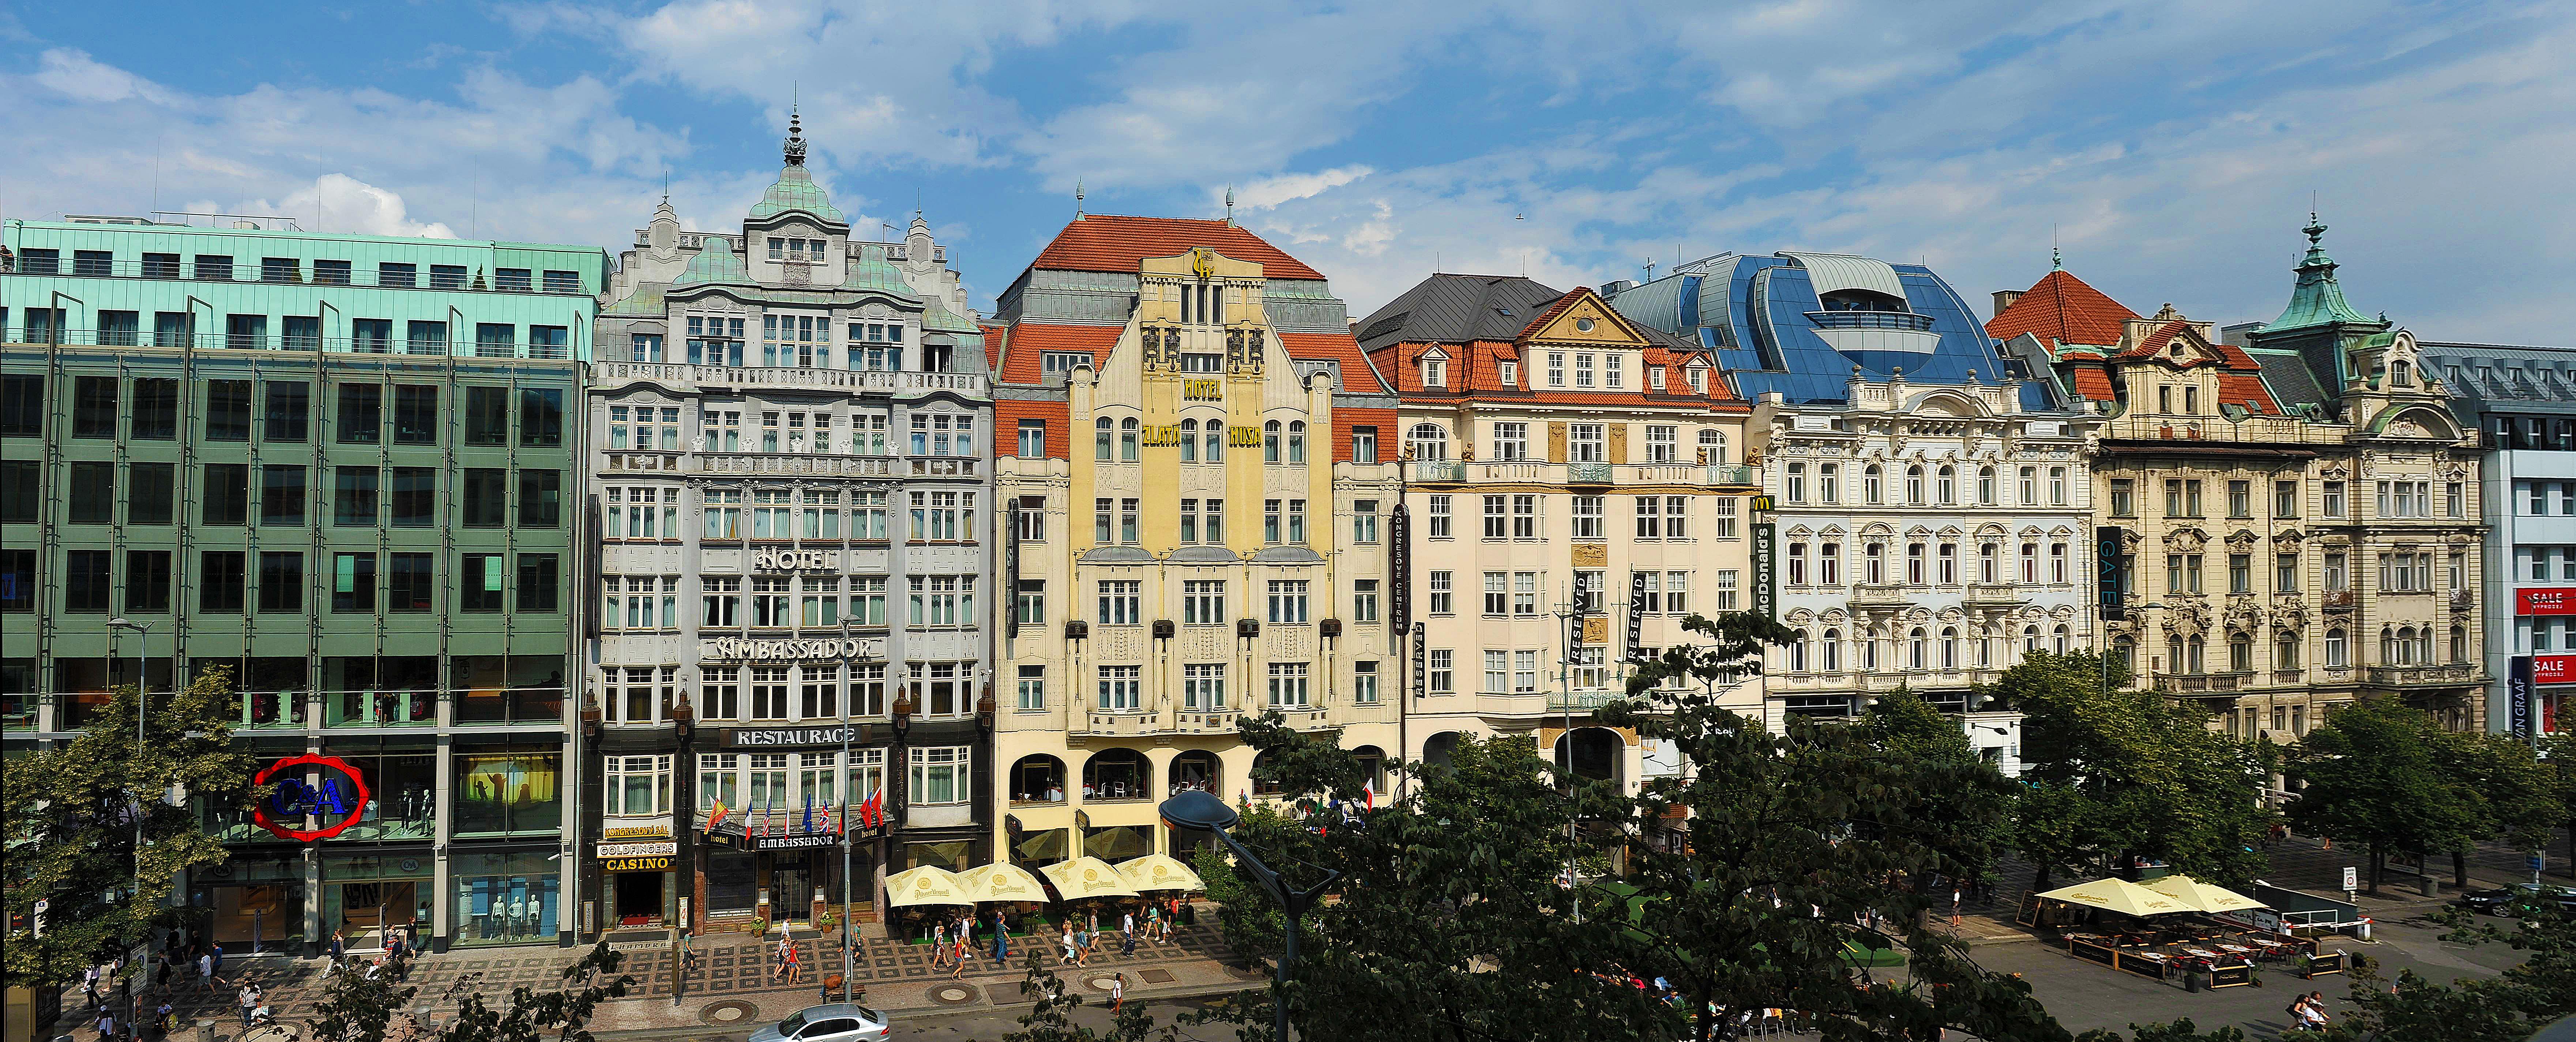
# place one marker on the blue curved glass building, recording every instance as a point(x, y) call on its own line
point(1797, 323)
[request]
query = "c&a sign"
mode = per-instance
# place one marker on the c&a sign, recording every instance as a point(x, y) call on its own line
point(330, 792)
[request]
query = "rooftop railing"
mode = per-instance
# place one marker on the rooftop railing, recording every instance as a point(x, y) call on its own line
point(291, 342)
point(443, 278)
point(1870, 320)
point(890, 381)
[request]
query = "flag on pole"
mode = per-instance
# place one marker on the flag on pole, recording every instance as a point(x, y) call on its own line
point(717, 818)
point(808, 822)
point(872, 813)
point(1368, 795)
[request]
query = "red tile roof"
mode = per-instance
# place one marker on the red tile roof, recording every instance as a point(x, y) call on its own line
point(2246, 389)
point(1028, 340)
point(1358, 377)
point(2094, 384)
point(992, 348)
point(1109, 242)
point(2060, 307)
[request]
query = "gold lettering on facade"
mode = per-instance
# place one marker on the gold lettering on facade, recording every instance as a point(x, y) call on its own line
point(1202, 390)
point(1243, 437)
point(1591, 555)
point(1162, 434)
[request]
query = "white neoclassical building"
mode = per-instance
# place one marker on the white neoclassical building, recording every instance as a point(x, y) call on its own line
point(1928, 535)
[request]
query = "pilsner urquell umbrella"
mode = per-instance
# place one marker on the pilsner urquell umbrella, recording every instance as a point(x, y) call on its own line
point(927, 885)
point(2119, 895)
point(2203, 896)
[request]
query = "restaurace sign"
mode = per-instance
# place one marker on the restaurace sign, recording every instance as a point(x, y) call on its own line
point(745, 649)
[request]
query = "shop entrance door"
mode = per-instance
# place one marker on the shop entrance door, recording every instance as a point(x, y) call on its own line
point(366, 909)
point(639, 898)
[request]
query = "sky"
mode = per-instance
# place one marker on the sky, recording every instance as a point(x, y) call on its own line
point(2170, 150)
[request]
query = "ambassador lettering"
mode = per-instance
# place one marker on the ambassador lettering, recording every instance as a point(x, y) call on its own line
point(745, 649)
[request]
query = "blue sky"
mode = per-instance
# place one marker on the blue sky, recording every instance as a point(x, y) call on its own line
point(2170, 148)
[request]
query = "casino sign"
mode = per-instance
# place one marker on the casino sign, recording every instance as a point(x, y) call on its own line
point(335, 801)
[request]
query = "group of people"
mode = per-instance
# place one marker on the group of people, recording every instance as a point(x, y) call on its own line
point(393, 963)
point(1081, 940)
point(2308, 1012)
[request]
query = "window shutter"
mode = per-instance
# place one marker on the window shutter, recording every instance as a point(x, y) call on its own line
point(1556, 442)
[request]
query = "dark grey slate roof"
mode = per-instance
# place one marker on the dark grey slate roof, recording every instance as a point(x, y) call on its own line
point(2293, 383)
point(1457, 308)
point(1202, 555)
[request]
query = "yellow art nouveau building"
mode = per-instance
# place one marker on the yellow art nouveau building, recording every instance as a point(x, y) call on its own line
point(1194, 471)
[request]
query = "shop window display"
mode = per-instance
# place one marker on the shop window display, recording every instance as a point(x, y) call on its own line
point(364, 894)
point(507, 792)
point(506, 898)
point(251, 903)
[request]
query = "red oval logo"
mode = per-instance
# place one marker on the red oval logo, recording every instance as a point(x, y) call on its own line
point(335, 801)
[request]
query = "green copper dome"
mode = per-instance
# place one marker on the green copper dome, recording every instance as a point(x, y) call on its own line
point(796, 191)
point(2318, 298)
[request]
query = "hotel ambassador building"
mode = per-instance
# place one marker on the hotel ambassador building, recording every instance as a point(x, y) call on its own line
point(788, 474)
point(1196, 464)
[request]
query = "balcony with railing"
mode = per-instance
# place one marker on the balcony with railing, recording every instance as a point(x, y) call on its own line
point(2208, 683)
point(1538, 473)
point(1992, 595)
point(2417, 676)
point(1884, 595)
point(1583, 701)
point(858, 381)
point(1898, 320)
point(2262, 429)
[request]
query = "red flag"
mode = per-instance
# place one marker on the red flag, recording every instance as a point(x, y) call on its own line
point(718, 817)
point(1368, 795)
point(872, 812)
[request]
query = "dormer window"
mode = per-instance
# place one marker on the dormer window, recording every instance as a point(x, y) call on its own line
point(1510, 372)
point(1654, 377)
point(2400, 375)
point(803, 250)
point(1698, 380)
point(1435, 372)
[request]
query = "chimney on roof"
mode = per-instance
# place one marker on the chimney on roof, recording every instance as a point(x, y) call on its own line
point(2004, 298)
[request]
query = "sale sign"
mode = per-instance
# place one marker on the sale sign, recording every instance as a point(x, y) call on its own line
point(332, 794)
point(2553, 669)
point(2547, 600)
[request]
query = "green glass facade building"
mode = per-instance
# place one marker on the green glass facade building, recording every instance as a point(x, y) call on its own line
point(342, 467)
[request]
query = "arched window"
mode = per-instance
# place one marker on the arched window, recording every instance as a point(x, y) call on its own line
point(1986, 486)
point(2058, 643)
point(1915, 649)
point(1296, 441)
point(1949, 647)
point(2240, 653)
point(1946, 485)
point(2285, 650)
point(1829, 483)
point(2057, 486)
point(1713, 442)
point(1430, 441)
point(1914, 485)
point(2029, 639)
point(1189, 441)
point(1270, 442)
point(1215, 442)
point(2424, 646)
point(1833, 651)
point(1872, 491)
point(2195, 655)
point(2338, 654)
point(2125, 652)
point(2459, 643)
point(1868, 649)
point(1100, 439)
point(1798, 652)
point(1127, 439)
point(1829, 563)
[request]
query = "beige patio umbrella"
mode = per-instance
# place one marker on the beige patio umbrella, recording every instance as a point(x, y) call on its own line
point(1159, 872)
point(2119, 895)
point(1001, 883)
point(927, 885)
point(2202, 895)
point(1086, 877)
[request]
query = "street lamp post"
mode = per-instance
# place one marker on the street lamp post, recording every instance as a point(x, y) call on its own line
point(142, 703)
point(1199, 809)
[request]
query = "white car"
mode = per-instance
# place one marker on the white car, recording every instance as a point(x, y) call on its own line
point(838, 1022)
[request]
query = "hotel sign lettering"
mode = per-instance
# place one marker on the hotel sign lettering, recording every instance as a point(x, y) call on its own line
point(1243, 437)
point(745, 649)
point(775, 560)
point(1202, 390)
point(1160, 434)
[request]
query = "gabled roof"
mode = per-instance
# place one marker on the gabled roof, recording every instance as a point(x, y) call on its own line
point(1457, 309)
point(2061, 307)
point(1358, 376)
point(1110, 242)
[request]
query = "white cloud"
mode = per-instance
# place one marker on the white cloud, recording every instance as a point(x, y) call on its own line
point(342, 203)
point(1269, 192)
point(74, 75)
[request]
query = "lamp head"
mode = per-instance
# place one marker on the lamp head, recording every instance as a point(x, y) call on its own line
point(1199, 809)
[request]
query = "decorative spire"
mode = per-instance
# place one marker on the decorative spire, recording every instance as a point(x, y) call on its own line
point(2317, 299)
point(795, 138)
point(2056, 260)
point(1229, 205)
point(1077, 199)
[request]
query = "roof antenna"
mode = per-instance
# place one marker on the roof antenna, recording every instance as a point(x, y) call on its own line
point(666, 184)
point(1077, 199)
point(1650, 269)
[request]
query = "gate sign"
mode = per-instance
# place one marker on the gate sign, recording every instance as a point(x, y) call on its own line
point(336, 802)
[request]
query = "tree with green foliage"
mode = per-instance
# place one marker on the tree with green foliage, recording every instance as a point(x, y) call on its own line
point(2379, 772)
point(2558, 788)
point(1051, 1019)
point(72, 815)
point(2512, 791)
point(2122, 775)
point(1247, 917)
point(561, 1015)
point(2509, 1007)
point(2182, 1030)
point(356, 1007)
point(1906, 726)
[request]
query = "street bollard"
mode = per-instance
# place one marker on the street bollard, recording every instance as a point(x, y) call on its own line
point(205, 1031)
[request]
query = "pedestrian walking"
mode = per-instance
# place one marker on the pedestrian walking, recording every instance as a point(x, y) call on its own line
point(1117, 991)
point(795, 968)
point(106, 1025)
point(938, 945)
point(247, 1001)
point(957, 968)
point(206, 970)
point(1001, 940)
point(1082, 948)
point(1127, 944)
